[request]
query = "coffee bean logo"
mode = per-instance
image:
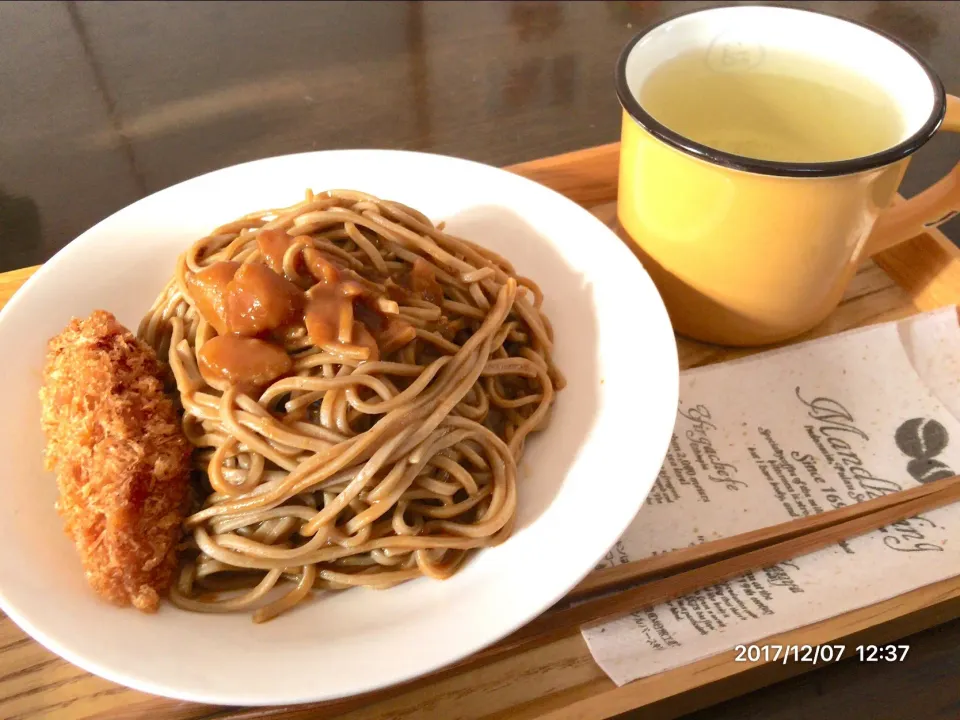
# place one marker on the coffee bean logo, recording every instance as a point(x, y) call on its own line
point(922, 439)
point(927, 470)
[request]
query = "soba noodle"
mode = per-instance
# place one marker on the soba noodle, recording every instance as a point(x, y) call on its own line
point(349, 472)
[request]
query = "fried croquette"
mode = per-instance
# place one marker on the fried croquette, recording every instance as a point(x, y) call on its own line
point(121, 459)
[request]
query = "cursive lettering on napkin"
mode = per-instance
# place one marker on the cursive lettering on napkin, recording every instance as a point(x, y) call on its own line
point(705, 452)
point(837, 430)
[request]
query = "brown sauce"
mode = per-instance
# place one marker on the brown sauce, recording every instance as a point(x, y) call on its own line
point(273, 245)
point(208, 288)
point(243, 361)
point(423, 281)
point(320, 266)
point(322, 313)
point(390, 333)
point(259, 300)
point(251, 305)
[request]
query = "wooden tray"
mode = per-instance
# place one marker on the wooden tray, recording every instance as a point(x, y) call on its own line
point(558, 679)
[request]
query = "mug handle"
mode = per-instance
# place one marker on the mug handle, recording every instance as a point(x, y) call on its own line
point(935, 205)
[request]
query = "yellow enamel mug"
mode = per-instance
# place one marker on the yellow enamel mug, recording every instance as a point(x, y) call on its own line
point(751, 252)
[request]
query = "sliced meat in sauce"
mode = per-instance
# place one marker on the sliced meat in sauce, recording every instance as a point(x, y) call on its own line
point(322, 268)
point(259, 300)
point(324, 322)
point(208, 288)
point(329, 272)
point(390, 333)
point(363, 338)
point(395, 335)
point(243, 301)
point(323, 311)
point(423, 281)
point(246, 362)
point(273, 245)
point(369, 316)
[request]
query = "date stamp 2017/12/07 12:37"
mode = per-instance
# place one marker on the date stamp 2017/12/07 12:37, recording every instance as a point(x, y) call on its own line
point(816, 654)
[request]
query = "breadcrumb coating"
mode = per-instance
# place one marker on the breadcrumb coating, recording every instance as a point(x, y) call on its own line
point(121, 459)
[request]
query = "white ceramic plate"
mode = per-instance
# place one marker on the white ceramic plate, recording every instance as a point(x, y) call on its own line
point(582, 481)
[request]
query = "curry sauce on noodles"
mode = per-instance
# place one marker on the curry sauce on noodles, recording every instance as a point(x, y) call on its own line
point(358, 387)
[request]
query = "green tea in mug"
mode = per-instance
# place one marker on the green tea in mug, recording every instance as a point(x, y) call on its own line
point(779, 105)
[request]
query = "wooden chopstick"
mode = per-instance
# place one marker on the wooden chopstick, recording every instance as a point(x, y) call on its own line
point(599, 610)
point(632, 573)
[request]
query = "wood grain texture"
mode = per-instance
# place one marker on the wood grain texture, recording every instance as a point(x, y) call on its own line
point(584, 176)
point(558, 680)
point(11, 281)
